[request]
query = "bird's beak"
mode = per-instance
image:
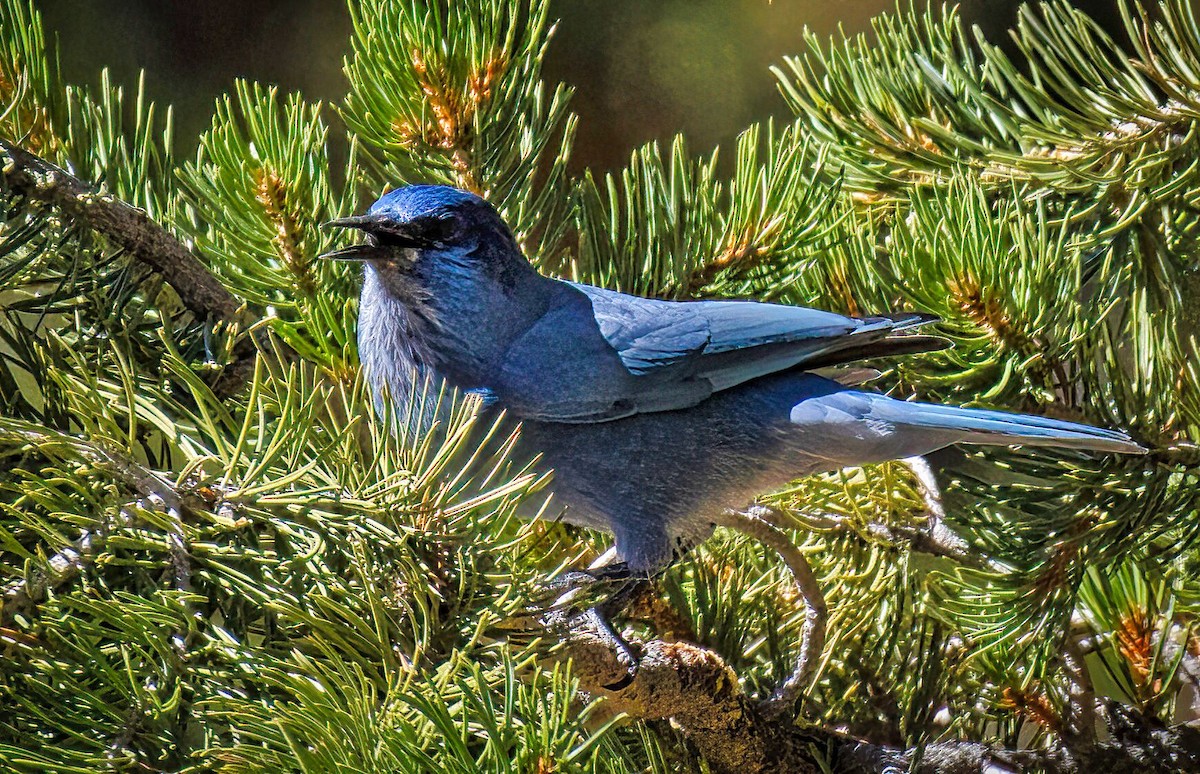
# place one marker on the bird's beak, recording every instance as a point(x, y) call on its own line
point(359, 252)
point(398, 235)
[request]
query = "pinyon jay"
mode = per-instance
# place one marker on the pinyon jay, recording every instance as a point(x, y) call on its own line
point(658, 418)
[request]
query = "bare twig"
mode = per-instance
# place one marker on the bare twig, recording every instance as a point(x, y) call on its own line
point(936, 532)
point(940, 542)
point(60, 568)
point(812, 635)
point(181, 570)
point(1082, 694)
point(933, 538)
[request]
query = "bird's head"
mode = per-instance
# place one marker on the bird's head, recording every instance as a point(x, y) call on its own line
point(424, 231)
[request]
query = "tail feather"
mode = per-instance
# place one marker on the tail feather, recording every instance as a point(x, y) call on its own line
point(981, 426)
point(854, 427)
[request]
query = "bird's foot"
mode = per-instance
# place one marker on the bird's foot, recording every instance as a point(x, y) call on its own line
point(585, 601)
point(593, 625)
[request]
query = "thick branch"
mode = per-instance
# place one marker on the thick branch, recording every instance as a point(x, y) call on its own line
point(696, 689)
point(125, 226)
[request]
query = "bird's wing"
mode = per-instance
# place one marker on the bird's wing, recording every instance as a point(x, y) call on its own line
point(727, 343)
point(646, 333)
point(600, 355)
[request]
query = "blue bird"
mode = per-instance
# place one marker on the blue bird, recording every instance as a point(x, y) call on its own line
point(658, 418)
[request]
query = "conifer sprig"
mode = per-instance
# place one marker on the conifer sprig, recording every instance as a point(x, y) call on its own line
point(453, 94)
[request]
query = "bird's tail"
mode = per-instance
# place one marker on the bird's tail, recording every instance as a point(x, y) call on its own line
point(999, 428)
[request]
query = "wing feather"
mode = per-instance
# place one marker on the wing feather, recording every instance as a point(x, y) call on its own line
point(731, 342)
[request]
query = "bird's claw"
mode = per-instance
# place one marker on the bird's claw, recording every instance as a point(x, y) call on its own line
point(615, 642)
point(618, 584)
point(571, 587)
point(592, 624)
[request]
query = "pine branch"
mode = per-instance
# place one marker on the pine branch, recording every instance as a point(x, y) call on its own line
point(667, 226)
point(153, 492)
point(453, 93)
point(148, 242)
point(125, 226)
point(318, 603)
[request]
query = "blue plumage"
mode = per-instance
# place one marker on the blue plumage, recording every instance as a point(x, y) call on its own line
point(656, 416)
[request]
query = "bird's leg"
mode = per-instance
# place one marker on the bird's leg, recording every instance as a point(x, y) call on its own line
point(579, 589)
point(755, 523)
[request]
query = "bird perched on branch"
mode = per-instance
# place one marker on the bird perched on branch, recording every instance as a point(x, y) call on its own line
point(660, 419)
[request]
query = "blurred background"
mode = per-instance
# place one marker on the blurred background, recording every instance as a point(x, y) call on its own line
point(643, 69)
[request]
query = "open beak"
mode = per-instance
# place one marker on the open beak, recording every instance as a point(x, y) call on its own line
point(351, 253)
point(359, 252)
point(396, 233)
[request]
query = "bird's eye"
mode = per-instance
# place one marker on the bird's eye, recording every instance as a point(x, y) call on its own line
point(440, 228)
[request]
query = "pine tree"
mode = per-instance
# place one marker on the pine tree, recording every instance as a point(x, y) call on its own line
point(215, 556)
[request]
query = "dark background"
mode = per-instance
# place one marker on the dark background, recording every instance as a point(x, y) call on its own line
point(643, 70)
